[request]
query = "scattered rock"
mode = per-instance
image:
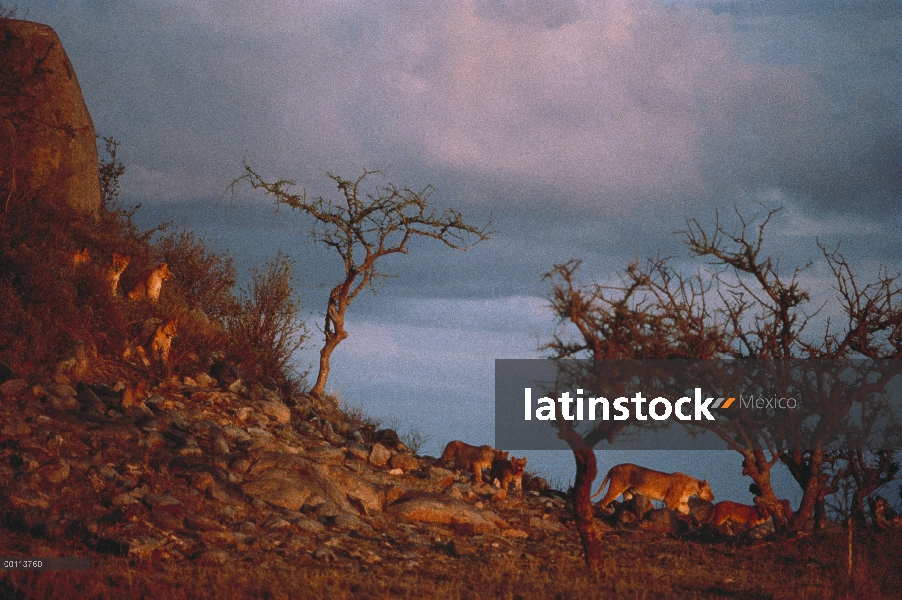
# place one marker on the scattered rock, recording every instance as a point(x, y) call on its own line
point(13, 387)
point(327, 454)
point(325, 555)
point(358, 450)
point(204, 380)
point(29, 499)
point(518, 534)
point(546, 525)
point(212, 558)
point(379, 455)
point(162, 502)
point(405, 462)
point(143, 547)
point(220, 446)
point(437, 509)
point(54, 472)
point(277, 411)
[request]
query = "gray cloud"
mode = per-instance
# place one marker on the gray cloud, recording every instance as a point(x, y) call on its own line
point(618, 103)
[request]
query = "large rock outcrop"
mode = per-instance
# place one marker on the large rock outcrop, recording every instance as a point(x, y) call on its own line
point(47, 141)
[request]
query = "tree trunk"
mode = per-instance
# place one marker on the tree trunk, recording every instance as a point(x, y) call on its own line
point(808, 474)
point(820, 514)
point(583, 510)
point(758, 468)
point(589, 532)
point(335, 333)
point(856, 511)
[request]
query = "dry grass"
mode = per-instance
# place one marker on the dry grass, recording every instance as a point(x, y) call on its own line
point(639, 566)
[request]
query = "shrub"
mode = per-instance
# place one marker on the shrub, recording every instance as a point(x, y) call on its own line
point(201, 276)
point(265, 325)
point(47, 304)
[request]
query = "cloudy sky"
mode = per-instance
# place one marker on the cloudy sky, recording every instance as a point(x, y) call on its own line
point(587, 129)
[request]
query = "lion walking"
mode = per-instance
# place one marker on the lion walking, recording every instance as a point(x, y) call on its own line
point(468, 458)
point(674, 489)
point(727, 514)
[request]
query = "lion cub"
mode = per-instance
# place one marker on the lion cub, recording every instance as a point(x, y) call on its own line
point(150, 286)
point(81, 257)
point(115, 271)
point(468, 458)
point(161, 340)
point(134, 394)
point(507, 470)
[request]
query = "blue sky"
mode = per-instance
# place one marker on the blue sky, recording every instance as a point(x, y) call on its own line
point(587, 129)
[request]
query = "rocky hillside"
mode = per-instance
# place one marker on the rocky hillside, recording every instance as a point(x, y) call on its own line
point(287, 495)
point(208, 471)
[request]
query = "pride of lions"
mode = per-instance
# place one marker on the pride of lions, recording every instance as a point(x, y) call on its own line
point(158, 344)
point(502, 468)
point(627, 480)
point(149, 287)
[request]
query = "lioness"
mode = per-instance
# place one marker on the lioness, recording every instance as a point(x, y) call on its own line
point(674, 489)
point(150, 286)
point(134, 394)
point(468, 458)
point(120, 263)
point(732, 513)
point(507, 470)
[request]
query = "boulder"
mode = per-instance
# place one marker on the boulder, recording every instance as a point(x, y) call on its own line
point(379, 455)
point(663, 520)
point(47, 141)
point(288, 481)
point(277, 411)
point(439, 509)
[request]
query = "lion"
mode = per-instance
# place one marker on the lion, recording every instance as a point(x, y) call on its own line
point(507, 470)
point(468, 458)
point(732, 513)
point(883, 514)
point(161, 340)
point(133, 394)
point(150, 286)
point(81, 257)
point(674, 489)
point(120, 263)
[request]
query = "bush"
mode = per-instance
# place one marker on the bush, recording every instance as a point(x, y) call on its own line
point(202, 277)
point(51, 304)
point(48, 305)
point(265, 325)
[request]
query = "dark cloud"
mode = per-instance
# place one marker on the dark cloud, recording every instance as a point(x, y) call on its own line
point(611, 105)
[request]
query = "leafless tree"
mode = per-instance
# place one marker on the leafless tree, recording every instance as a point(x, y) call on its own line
point(653, 314)
point(365, 224)
point(767, 317)
point(741, 308)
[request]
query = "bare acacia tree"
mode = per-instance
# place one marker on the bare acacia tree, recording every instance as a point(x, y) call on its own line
point(655, 313)
point(744, 309)
point(768, 321)
point(366, 223)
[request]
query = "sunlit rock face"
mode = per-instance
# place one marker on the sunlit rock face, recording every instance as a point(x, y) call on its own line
point(47, 140)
